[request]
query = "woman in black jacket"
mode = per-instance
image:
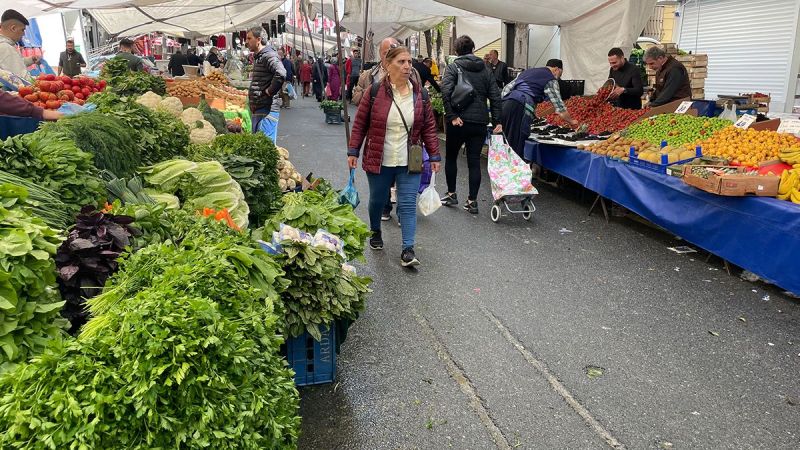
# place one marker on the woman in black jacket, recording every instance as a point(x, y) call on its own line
point(467, 125)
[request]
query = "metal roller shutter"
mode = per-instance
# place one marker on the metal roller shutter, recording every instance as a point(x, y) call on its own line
point(750, 45)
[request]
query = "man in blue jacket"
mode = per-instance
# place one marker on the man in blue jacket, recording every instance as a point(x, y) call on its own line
point(532, 87)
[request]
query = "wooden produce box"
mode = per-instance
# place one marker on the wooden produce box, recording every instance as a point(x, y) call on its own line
point(693, 60)
point(734, 185)
point(666, 109)
point(189, 101)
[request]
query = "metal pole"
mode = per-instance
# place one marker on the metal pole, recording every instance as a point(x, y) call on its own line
point(341, 72)
point(314, 49)
point(366, 19)
point(322, 23)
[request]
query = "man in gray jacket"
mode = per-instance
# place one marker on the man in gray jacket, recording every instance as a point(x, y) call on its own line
point(267, 77)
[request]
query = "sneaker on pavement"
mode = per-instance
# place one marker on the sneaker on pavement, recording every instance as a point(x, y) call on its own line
point(385, 216)
point(450, 199)
point(376, 241)
point(408, 258)
point(471, 206)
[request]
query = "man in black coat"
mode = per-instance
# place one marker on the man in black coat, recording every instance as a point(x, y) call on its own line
point(628, 93)
point(267, 76)
point(499, 69)
point(176, 63)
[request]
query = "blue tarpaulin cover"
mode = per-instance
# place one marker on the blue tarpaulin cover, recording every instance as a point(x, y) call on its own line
point(759, 234)
point(32, 38)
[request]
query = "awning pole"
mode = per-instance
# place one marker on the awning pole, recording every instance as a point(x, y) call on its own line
point(341, 72)
point(364, 55)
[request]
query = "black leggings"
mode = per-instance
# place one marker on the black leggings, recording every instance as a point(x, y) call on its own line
point(473, 135)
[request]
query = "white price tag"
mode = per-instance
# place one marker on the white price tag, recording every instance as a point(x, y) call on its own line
point(683, 107)
point(745, 121)
point(791, 126)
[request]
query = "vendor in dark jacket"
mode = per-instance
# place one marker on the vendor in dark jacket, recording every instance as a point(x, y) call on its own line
point(532, 87)
point(424, 70)
point(176, 63)
point(467, 126)
point(672, 78)
point(628, 77)
point(267, 76)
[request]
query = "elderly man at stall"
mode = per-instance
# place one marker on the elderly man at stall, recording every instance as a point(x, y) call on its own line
point(672, 78)
point(379, 71)
point(12, 27)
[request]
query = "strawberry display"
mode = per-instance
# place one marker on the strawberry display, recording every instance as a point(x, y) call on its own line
point(50, 92)
point(595, 111)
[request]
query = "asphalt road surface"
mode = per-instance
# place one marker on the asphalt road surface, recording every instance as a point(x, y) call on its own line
point(562, 332)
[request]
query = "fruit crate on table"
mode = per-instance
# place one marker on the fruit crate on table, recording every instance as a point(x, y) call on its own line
point(313, 362)
point(660, 168)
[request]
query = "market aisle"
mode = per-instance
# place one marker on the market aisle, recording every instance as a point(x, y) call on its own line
point(481, 346)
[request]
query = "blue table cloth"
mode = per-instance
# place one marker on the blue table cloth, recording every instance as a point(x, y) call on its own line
point(760, 234)
point(12, 126)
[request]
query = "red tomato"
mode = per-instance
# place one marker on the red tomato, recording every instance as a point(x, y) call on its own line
point(89, 82)
point(76, 89)
point(65, 79)
point(79, 96)
point(102, 84)
point(25, 90)
point(33, 98)
point(53, 104)
point(40, 104)
point(79, 101)
point(58, 85)
point(44, 86)
point(86, 92)
point(49, 77)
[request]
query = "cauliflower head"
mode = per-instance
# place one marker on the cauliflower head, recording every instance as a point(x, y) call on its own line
point(171, 105)
point(190, 116)
point(149, 99)
point(204, 133)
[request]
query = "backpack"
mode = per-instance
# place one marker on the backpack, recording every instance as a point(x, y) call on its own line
point(463, 93)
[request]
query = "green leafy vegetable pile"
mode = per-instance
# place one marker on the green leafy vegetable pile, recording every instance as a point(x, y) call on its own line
point(252, 160)
point(161, 135)
point(213, 116)
point(182, 352)
point(195, 186)
point(41, 202)
point(123, 82)
point(115, 146)
point(56, 165)
point(29, 300)
point(311, 210)
point(320, 290)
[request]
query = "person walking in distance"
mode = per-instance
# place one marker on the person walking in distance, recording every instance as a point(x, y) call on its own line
point(353, 69)
point(397, 118)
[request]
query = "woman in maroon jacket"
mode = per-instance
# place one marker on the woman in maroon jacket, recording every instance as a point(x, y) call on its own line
point(381, 123)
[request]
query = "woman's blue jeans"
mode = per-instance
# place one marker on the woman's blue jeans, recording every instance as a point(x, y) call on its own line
point(407, 185)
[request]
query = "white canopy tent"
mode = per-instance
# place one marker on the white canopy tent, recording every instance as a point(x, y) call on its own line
point(186, 18)
point(589, 28)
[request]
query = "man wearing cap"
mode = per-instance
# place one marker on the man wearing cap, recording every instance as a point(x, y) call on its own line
point(126, 51)
point(12, 27)
point(70, 61)
point(532, 86)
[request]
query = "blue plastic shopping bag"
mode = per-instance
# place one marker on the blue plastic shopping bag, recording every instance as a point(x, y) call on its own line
point(349, 195)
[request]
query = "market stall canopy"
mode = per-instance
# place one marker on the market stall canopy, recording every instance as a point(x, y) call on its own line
point(185, 18)
point(589, 28)
point(396, 18)
point(297, 38)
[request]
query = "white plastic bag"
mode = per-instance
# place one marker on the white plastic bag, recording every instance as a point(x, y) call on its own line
point(729, 112)
point(429, 200)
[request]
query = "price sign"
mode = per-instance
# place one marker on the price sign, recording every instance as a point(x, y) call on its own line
point(745, 121)
point(791, 126)
point(683, 107)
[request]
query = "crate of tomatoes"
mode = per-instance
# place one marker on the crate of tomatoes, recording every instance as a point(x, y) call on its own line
point(50, 92)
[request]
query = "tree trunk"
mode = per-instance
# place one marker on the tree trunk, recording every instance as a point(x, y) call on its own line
point(521, 45)
point(428, 42)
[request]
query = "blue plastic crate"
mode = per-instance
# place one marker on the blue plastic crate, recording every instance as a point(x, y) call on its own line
point(660, 168)
point(313, 362)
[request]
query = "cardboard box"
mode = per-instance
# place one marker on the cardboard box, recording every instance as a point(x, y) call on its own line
point(771, 125)
point(737, 185)
point(666, 109)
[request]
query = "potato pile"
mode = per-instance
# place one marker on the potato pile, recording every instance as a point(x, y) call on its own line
point(617, 146)
point(189, 88)
point(216, 76)
point(290, 178)
point(237, 98)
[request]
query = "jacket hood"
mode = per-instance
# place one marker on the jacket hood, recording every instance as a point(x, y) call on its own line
point(471, 63)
